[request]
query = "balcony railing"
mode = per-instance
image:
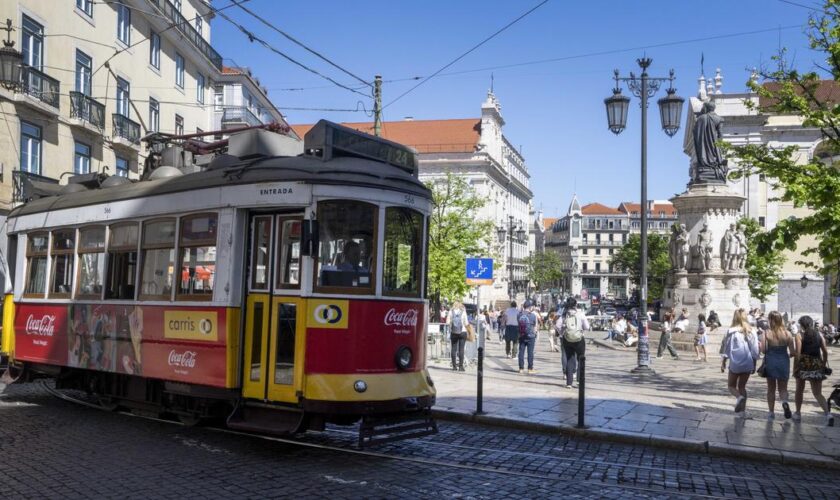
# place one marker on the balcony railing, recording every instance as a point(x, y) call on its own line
point(39, 85)
point(126, 129)
point(22, 187)
point(239, 114)
point(189, 31)
point(88, 109)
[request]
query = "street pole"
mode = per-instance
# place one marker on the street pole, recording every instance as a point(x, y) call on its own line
point(510, 257)
point(377, 105)
point(479, 395)
point(643, 346)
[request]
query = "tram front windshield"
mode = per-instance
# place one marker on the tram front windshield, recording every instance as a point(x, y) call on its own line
point(347, 239)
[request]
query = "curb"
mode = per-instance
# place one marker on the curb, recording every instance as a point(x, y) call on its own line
point(626, 437)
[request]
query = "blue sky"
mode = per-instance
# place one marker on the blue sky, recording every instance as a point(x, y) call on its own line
point(554, 110)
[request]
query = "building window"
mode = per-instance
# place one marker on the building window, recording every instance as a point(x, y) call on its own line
point(122, 167)
point(199, 26)
point(91, 262)
point(177, 4)
point(218, 97)
point(85, 6)
point(158, 260)
point(32, 44)
point(124, 24)
point(83, 72)
point(585, 267)
point(154, 50)
point(30, 148)
point(122, 261)
point(154, 115)
point(81, 161)
point(597, 266)
point(585, 251)
point(179, 70)
point(179, 125)
point(762, 177)
point(36, 257)
point(611, 251)
point(198, 255)
point(761, 221)
point(597, 251)
point(199, 88)
point(123, 97)
point(63, 246)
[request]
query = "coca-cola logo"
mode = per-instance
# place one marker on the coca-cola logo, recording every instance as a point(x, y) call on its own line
point(45, 325)
point(184, 359)
point(404, 318)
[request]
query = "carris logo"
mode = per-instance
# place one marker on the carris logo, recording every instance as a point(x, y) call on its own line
point(43, 326)
point(405, 318)
point(184, 359)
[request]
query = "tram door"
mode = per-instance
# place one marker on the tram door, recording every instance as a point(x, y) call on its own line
point(275, 314)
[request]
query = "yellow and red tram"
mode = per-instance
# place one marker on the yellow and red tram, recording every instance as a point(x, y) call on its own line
point(280, 286)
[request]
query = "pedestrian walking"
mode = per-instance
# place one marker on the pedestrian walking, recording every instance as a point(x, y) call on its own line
point(811, 364)
point(665, 338)
point(553, 332)
point(740, 348)
point(528, 324)
point(457, 321)
point(573, 323)
point(511, 316)
point(778, 347)
point(700, 338)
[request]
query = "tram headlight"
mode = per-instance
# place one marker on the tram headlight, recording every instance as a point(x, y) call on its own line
point(360, 386)
point(403, 357)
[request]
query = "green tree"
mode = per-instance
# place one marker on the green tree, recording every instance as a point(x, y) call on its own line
point(544, 269)
point(454, 235)
point(764, 267)
point(805, 182)
point(629, 259)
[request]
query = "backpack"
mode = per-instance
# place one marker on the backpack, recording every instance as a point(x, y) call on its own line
point(739, 349)
point(457, 322)
point(524, 324)
point(571, 325)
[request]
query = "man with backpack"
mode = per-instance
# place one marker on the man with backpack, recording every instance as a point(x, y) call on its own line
point(527, 322)
point(457, 334)
point(572, 325)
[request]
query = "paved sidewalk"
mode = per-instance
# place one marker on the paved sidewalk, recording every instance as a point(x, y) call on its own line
point(685, 405)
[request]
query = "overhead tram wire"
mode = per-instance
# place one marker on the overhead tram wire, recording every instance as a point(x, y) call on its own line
point(254, 38)
point(603, 53)
point(300, 44)
point(479, 44)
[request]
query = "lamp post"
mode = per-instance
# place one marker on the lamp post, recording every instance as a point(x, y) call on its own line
point(10, 60)
point(509, 233)
point(670, 108)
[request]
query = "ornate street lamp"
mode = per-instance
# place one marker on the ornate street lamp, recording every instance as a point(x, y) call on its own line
point(803, 281)
point(10, 60)
point(501, 232)
point(520, 233)
point(670, 108)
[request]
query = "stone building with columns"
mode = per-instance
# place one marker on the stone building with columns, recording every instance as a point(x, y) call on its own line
point(477, 150)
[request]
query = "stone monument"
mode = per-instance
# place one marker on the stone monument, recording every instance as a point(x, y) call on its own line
point(707, 247)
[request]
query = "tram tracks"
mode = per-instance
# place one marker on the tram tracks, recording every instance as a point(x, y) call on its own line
point(612, 473)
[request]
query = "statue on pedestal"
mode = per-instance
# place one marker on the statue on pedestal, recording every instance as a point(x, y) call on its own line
point(741, 240)
point(682, 247)
point(727, 248)
point(709, 164)
point(704, 248)
point(672, 246)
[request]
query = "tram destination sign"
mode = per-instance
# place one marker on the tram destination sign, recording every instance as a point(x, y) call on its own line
point(334, 140)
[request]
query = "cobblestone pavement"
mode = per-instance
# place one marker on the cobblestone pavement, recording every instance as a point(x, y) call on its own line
point(55, 449)
point(686, 400)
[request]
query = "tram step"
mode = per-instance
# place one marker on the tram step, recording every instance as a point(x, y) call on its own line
point(276, 420)
point(379, 430)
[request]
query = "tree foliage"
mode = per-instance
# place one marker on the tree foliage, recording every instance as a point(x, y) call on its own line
point(764, 267)
point(544, 269)
point(805, 182)
point(629, 259)
point(454, 235)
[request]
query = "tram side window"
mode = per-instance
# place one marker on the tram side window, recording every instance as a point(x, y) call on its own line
point(403, 252)
point(63, 246)
point(91, 262)
point(36, 257)
point(122, 261)
point(347, 243)
point(198, 257)
point(158, 259)
point(288, 253)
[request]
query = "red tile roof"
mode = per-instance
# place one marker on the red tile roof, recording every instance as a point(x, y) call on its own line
point(598, 209)
point(628, 207)
point(548, 222)
point(827, 92)
point(426, 136)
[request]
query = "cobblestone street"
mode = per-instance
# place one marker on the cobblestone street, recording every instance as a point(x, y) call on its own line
point(56, 449)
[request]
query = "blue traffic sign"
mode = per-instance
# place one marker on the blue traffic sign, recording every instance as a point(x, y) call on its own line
point(480, 271)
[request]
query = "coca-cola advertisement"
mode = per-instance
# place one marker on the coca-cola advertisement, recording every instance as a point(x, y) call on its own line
point(375, 331)
point(128, 339)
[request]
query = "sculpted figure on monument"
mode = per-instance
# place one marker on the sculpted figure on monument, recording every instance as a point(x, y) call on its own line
point(726, 247)
point(704, 248)
point(741, 238)
point(672, 246)
point(682, 248)
point(710, 164)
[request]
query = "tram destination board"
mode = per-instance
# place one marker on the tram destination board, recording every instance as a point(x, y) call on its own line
point(334, 139)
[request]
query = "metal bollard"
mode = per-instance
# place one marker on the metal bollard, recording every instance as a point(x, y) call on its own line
point(479, 401)
point(581, 391)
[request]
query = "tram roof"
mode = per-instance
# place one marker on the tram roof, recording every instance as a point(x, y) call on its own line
point(344, 171)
